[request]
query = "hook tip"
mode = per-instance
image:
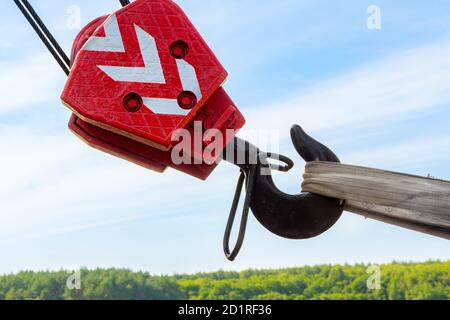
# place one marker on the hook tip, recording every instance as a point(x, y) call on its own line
point(309, 148)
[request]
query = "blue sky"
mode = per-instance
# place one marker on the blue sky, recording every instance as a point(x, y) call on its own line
point(378, 98)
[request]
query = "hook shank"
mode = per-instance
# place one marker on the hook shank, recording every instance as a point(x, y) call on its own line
point(300, 216)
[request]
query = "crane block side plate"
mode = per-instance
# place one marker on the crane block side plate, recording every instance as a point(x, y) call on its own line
point(131, 51)
point(133, 151)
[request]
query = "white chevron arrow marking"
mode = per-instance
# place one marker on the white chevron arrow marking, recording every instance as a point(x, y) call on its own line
point(189, 81)
point(152, 71)
point(113, 40)
point(188, 78)
point(164, 106)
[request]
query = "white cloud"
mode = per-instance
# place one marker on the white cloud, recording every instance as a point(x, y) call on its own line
point(404, 154)
point(7, 45)
point(51, 184)
point(24, 83)
point(407, 81)
point(47, 178)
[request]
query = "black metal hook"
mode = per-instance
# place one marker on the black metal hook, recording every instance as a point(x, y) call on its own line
point(300, 216)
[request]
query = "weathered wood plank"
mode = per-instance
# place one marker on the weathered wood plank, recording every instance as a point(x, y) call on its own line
point(413, 202)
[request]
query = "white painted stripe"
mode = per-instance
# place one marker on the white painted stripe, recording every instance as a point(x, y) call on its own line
point(164, 106)
point(112, 42)
point(152, 72)
point(189, 78)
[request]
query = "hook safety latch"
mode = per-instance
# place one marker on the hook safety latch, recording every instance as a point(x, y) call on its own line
point(302, 216)
point(254, 160)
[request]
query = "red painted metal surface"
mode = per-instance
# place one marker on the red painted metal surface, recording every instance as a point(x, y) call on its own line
point(133, 151)
point(144, 135)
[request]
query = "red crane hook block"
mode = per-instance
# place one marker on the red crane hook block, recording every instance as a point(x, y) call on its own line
point(142, 78)
point(141, 74)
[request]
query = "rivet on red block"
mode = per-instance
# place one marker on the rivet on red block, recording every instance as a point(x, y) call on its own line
point(187, 100)
point(132, 102)
point(179, 49)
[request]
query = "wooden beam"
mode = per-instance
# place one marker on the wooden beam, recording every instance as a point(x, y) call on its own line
point(412, 202)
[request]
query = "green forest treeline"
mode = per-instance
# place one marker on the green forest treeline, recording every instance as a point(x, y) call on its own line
point(430, 280)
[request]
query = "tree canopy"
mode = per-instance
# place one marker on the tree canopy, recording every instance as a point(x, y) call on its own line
point(430, 280)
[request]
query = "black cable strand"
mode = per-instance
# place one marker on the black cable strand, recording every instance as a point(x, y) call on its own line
point(124, 2)
point(54, 52)
point(47, 33)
